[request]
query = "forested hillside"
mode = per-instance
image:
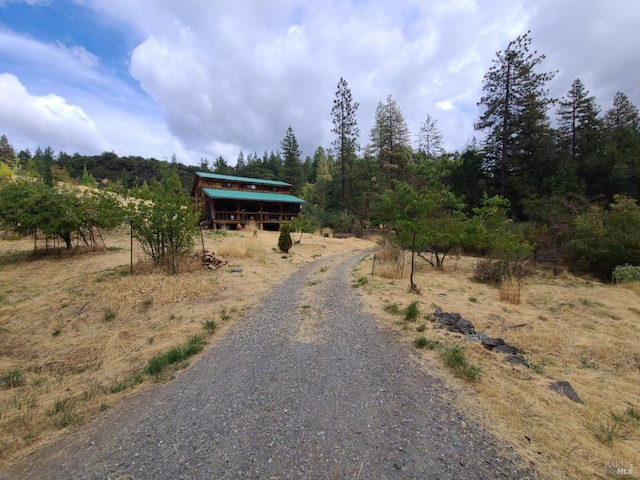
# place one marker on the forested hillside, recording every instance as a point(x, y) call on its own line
point(562, 173)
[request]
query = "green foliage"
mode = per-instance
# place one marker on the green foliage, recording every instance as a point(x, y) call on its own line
point(28, 205)
point(455, 359)
point(87, 179)
point(179, 354)
point(5, 172)
point(303, 223)
point(12, 379)
point(411, 312)
point(210, 326)
point(285, 241)
point(626, 273)
point(604, 239)
point(164, 225)
point(127, 383)
point(424, 342)
point(392, 308)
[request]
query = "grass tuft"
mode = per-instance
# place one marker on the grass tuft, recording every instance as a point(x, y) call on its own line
point(455, 359)
point(392, 308)
point(12, 379)
point(209, 326)
point(176, 355)
point(411, 312)
point(424, 342)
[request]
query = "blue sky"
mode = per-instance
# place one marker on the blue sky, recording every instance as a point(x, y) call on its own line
point(203, 78)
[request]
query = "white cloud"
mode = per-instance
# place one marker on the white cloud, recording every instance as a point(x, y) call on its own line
point(46, 120)
point(226, 76)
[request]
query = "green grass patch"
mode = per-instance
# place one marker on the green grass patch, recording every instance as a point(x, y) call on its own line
point(179, 354)
point(421, 328)
point(109, 315)
point(209, 326)
point(392, 308)
point(455, 359)
point(361, 282)
point(411, 312)
point(424, 342)
point(127, 383)
point(12, 379)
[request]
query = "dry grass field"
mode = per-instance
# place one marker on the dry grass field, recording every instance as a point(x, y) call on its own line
point(569, 328)
point(77, 331)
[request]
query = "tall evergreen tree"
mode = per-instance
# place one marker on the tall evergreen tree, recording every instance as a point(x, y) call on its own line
point(390, 138)
point(345, 126)
point(622, 151)
point(7, 153)
point(579, 137)
point(514, 113)
point(430, 138)
point(47, 163)
point(291, 171)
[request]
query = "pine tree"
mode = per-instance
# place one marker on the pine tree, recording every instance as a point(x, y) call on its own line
point(390, 139)
point(430, 138)
point(345, 126)
point(579, 136)
point(515, 106)
point(292, 171)
point(47, 163)
point(7, 153)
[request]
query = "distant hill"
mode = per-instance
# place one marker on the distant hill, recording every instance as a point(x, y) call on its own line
point(137, 170)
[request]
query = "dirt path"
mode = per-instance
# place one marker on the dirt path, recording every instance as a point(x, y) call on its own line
point(304, 387)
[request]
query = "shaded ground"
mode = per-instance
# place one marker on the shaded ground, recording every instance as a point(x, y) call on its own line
point(304, 386)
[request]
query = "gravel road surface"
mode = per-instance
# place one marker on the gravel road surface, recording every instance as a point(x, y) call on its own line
point(305, 386)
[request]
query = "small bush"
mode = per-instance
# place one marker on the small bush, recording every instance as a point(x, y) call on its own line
point(421, 328)
point(285, 242)
point(626, 273)
point(411, 312)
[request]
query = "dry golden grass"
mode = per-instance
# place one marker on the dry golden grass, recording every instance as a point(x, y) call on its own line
point(79, 329)
point(570, 329)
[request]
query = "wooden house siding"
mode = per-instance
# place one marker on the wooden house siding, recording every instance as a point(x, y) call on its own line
point(227, 202)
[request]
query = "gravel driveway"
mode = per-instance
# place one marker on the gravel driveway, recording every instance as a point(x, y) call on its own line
point(305, 386)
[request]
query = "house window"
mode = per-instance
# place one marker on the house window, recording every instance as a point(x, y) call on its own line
point(251, 187)
point(226, 185)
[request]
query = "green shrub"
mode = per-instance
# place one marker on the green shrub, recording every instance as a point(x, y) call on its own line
point(411, 312)
point(626, 273)
point(285, 242)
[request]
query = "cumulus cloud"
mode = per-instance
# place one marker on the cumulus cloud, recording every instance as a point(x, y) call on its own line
point(226, 76)
point(46, 120)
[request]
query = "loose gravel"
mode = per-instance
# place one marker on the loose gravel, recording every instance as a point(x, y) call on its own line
point(305, 386)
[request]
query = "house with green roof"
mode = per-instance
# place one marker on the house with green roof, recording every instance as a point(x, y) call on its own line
point(228, 202)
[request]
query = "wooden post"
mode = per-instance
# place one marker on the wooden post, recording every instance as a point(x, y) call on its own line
point(131, 248)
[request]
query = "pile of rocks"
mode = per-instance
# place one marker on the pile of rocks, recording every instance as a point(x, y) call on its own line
point(212, 261)
point(454, 322)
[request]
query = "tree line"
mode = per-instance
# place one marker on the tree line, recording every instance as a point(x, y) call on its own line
point(563, 175)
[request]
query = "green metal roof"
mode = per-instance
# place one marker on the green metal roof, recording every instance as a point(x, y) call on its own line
point(231, 178)
point(250, 196)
